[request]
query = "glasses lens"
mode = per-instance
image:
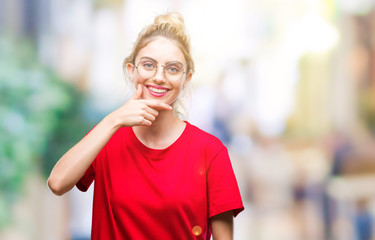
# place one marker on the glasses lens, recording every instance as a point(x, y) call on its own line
point(173, 71)
point(146, 69)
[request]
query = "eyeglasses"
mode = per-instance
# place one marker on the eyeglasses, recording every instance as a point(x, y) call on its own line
point(172, 71)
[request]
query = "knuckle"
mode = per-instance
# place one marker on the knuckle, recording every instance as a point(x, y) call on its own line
point(140, 119)
point(144, 114)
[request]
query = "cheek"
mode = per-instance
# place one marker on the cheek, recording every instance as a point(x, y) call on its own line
point(136, 79)
point(178, 93)
point(183, 85)
point(178, 87)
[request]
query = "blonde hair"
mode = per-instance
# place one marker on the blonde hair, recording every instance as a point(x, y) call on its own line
point(170, 25)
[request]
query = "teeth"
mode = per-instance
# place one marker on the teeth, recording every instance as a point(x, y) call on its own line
point(157, 90)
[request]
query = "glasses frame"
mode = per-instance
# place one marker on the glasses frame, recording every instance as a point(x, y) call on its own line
point(157, 68)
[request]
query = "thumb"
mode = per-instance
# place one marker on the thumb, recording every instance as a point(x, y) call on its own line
point(138, 93)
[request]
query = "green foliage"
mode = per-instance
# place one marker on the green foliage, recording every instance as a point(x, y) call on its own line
point(366, 108)
point(34, 106)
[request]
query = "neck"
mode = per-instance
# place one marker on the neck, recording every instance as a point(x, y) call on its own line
point(166, 120)
point(166, 128)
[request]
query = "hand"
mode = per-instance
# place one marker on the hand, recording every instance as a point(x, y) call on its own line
point(138, 112)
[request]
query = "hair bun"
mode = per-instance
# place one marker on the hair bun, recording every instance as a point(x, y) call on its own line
point(173, 18)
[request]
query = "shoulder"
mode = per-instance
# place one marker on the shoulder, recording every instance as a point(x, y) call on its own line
point(118, 138)
point(121, 134)
point(114, 148)
point(212, 149)
point(203, 138)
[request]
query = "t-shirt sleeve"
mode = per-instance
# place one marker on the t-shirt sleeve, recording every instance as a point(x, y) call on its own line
point(84, 183)
point(222, 188)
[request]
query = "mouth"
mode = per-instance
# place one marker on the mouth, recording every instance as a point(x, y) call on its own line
point(157, 91)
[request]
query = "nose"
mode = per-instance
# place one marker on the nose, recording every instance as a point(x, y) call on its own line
point(159, 75)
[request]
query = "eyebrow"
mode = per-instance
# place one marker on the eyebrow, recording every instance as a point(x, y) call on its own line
point(148, 58)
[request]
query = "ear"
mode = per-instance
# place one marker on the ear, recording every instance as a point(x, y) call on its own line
point(130, 70)
point(187, 79)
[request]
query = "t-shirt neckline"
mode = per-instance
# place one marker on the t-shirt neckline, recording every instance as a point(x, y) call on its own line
point(158, 152)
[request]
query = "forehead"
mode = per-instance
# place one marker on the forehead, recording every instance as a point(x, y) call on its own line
point(162, 50)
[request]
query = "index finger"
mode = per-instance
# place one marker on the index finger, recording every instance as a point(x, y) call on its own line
point(157, 105)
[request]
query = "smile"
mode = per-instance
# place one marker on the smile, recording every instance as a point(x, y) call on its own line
point(157, 91)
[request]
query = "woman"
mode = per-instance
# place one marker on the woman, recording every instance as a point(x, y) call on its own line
point(156, 176)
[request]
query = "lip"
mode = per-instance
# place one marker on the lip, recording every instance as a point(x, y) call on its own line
point(156, 94)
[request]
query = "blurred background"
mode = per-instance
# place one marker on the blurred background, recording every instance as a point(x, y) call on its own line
point(287, 85)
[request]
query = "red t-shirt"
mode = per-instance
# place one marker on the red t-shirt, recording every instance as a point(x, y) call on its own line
point(143, 193)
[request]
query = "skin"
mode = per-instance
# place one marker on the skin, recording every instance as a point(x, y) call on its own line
point(167, 127)
point(222, 226)
point(151, 118)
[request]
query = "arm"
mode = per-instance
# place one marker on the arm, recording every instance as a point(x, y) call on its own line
point(73, 164)
point(222, 226)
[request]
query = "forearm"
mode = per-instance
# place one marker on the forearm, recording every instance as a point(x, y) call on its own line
point(73, 164)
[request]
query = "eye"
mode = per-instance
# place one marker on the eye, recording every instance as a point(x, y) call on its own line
point(173, 68)
point(148, 65)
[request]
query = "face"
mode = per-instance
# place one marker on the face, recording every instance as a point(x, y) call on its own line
point(160, 52)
